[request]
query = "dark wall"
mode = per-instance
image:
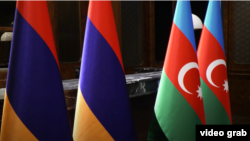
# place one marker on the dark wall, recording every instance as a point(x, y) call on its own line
point(164, 12)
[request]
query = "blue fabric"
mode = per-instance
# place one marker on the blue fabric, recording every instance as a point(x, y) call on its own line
point(34, 85)
point(103, 86)
point(183, 20)
point(213, 21)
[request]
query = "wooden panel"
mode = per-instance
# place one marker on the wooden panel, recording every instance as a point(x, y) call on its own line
point(163, 23)
point(53, 19)
point(3, 77)
point(239, 120)
point(7, 13)
point(83, 17)
point(232, 66)
point(148, 38)
point(226, 29)
point(148, 8)
point(239, 94)
point(4, 53)
point(6, 29)
point(3, 83)
point(238, 74)
point(68, 27)
point(116, 5)
point(3, 73)
point(67, 69)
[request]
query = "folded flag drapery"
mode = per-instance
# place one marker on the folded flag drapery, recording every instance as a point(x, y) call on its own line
point(213, 71)
point(179, 103)
point(34, 104)
point(102, 108)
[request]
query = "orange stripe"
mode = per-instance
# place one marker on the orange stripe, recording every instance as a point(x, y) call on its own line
point(86, 126)
point(13, 128)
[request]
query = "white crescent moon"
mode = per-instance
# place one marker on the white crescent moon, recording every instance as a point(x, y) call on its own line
point(211, 67)
point(182, 73)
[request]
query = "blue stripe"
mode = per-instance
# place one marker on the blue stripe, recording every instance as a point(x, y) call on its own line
point(213, 21)
point(34, 85)
point(183, 20)
point(103, 85)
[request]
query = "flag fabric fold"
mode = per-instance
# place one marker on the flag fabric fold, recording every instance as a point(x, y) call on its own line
point(102, 108)
point(179, 103)
point(213, 71)
point(34, 104)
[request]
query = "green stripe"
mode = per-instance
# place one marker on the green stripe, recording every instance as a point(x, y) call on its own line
point(214, 111)
point(176, 117)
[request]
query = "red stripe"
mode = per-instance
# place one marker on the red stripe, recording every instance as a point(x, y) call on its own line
point(37, 15)
point(180, 52)
point(101, 15)
point(210, 50)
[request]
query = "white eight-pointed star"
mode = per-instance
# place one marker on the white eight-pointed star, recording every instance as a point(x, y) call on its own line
point(225, 85)
point(199, 92)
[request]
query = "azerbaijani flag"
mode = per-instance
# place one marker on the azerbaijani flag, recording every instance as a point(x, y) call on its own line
point(102, 107)
point(179, 103)
point(34, 104)
point(213, 71)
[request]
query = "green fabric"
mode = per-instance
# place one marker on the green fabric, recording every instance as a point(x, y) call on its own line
point(175, 116)
point(214, 111)
point(155, 132)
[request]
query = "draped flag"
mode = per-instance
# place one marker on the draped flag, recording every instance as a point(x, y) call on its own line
point(213, 71)
point(34, 104)
point(179, 103)
point(102, 108)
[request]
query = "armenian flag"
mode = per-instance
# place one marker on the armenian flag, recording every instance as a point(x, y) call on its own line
point(34, 104)
point(102, 107)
